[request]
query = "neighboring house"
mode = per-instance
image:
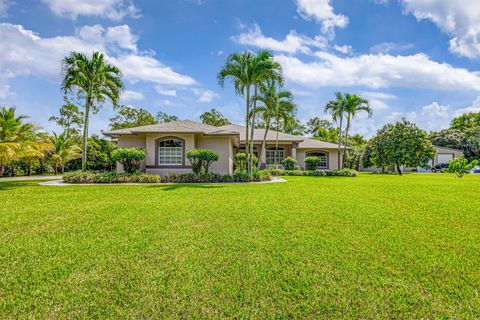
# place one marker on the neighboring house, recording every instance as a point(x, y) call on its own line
point(166, 145)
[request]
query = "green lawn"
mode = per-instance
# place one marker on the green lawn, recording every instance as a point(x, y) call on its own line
point(316, 247)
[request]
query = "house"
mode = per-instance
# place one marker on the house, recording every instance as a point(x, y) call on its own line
point(166, 145)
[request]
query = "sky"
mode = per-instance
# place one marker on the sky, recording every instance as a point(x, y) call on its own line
point(418, 59)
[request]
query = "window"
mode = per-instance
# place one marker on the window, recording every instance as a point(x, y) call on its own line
point(275, 155)
point(170, 152)
point(323, 158)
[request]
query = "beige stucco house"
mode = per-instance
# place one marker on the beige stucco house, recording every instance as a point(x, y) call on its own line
point(166, 145)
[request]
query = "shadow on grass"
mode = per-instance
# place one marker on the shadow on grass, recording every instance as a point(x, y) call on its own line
point(8, 185)
point(186, 186)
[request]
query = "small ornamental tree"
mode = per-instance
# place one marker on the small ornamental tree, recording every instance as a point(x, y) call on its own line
point(129, 157)
point(241, 161)
point(460, 166)
point(312, 163)
point(201, 159)
point(289, 163)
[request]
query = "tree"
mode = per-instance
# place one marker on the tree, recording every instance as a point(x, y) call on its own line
point(374, 153)
point(130, 117)
point(64, 150)
point(201, 159)
point(337, 109)
point(163, 117)
point(354, 154)
point(129, 157)
point(322, 130)
point(214, 118)
point(353, 104)
point(247, 70)
point(70, 119)
point(467, 140)
point(99, 156)
point(460, 166)
point(466, 121)
point(277, 105)
point(403, 144)
point(94, 78)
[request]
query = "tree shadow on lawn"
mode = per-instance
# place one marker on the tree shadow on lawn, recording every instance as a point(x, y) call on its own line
point(186, 186)
point(8, 185)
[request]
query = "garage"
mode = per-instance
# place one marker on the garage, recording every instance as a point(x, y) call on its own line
point(445, 157)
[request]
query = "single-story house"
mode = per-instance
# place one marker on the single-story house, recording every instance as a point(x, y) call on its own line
point(166, 145)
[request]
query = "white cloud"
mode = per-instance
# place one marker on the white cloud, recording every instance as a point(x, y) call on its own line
point(457, 18)
point(388, 47)
point(322, 12)
point(292, 43)
point(204, 95)
point(110, 9)
point(4, 5)
point(165, 91)
point(343, 49)
point(377, 99)
point(378, 71)
point(130, 95)
point(26, 53)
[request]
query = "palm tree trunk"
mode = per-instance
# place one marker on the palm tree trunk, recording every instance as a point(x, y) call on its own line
point(2, 170)
point(346, 141)
point(264, 142)
point(340, 142)
point(252, 129)
point(247, 101)
point(13, 169)
point(85, 133)
point(29, 170)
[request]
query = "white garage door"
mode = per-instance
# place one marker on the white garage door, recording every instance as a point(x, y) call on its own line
point(444, 157)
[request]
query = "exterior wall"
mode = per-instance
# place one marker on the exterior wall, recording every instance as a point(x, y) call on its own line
point(332, 157)
point(131, 142)
point(453, 152)
point(151, 139)
point(221, 145)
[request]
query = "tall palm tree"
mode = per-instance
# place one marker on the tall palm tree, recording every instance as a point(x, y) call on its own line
point(277, 106)
point(94, 78)
point(353, 104)
point(246, 70)
point(64, 150)
point(337, 109)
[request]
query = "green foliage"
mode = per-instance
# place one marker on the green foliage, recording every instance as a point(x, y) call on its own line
point(130, 117)
point(129, 157)
point(460, 166)
point(70, 118)
point(314, 173)
point(214, 118)
point(290, 163)
point(89, 177)
point(201, 159)
point(466, 121)
point(312, 163)
point(163, 117)
point(241, 161)
point(322, 130)
point(466, 139)
point(401, 144)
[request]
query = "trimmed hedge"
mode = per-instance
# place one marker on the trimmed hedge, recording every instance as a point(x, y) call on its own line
point(112, 177)
point(315, 173)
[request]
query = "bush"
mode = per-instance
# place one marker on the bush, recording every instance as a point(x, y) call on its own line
point(129, 157)
point(109, 177)
point(241, 176)
point(314, 173)
point(460, 166)
point(290, 163)
point(201, 159)
point(261, 175)
point(241, 161)
point(312, 163)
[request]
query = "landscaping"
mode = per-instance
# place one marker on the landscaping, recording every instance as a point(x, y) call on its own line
point(377, 246)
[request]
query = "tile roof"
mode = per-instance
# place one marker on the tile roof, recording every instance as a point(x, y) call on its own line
point(259, 133)
point(312, 143)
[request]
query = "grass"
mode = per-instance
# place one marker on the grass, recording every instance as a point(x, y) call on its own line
point(375, 246)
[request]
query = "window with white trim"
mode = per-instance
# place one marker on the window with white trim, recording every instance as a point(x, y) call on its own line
point(275, 155)
point(322, 156)
point(170, 152)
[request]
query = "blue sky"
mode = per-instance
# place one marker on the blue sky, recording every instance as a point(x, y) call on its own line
point(412, 58)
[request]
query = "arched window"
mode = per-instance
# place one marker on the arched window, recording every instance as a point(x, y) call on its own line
point(275, 155)
point(170, 152)
point(323, 157)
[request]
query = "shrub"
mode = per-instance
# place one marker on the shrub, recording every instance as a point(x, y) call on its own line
point(109, 177)
point(460, 166)
point(242, 176)
point(241, 161)
point(262, 175)
point(312, 163)
point(290, 163)
point(315, 173)
point(201, 159)
point(129, 157)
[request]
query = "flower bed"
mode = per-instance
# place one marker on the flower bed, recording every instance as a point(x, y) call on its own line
point(113, 177)
point(315, 173)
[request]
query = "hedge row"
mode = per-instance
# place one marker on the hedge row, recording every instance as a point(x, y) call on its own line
point(112, 177)
point(315, 173)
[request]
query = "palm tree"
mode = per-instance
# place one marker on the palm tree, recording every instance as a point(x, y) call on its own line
point(247, 70)
point(35, 147)
point(337, 109)
point(64, 150)
point(277, 106)
point(353, 104)
point(96, 80)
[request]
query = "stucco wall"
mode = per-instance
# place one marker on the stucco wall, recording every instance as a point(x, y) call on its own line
point(455, 153)
point(131, 142)
point(221, 145)
point(332, 157)
point(151, 147)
